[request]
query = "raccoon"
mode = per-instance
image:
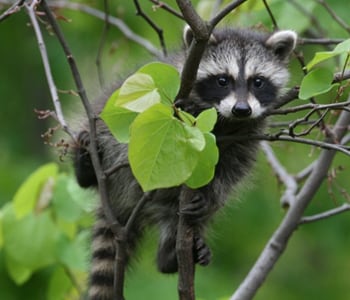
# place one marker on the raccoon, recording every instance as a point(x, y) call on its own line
point(242, 74)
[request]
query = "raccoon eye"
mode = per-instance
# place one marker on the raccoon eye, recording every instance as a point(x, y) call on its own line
point(258, 82)
point(223, 81)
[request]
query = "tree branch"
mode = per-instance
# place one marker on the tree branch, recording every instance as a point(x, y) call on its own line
point(327, 214)
point(184, 250)
point(313, 106)
point(319, 41)
point(288, 198)
point(278, 242)
point(280, 137)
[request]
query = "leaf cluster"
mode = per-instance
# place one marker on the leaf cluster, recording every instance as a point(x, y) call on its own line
point(43, 228)
point(320, 79)
point(167, 146)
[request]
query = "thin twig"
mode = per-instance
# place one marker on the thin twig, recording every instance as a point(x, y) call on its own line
point(43, 52)
point(167, 7)
point(307, 131)
point(121, 256)
point(318, 41)
point(314, 21)
point(313, 106)
point(327, 214)
point(279, 137)
point(335, 17)
point(272, 17)
point(288, 180)
point(15, 7)
point(141, 203)
point(225, 11)
point(150, 22)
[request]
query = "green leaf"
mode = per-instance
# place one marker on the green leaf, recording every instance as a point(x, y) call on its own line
point(59, 285)
point(73, 253)
point(163, 151)
point(30, 241)
point(342, 48)
point(153, 83)
point(166, 78)
point(205, 168)
point(29, 192)
point(186, 117)
point(1, 233)
point(138, 93)
point(19, 273)
point(206, 120)
point(85, 198)
point(118, 120)
point(62, 202)
point(317, 82)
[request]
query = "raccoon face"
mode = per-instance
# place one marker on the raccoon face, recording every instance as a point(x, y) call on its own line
point(243, 72)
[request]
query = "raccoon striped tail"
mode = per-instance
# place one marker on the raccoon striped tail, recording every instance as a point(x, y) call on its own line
point(103, 257)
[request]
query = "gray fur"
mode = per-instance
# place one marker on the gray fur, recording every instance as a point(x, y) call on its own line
point(241, 54)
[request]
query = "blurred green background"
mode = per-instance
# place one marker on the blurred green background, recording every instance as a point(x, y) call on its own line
point(316, 264)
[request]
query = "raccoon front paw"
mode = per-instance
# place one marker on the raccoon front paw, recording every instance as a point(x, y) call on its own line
point(196, 209)
point(202, 253)
point(83, 139)
point(83, 167)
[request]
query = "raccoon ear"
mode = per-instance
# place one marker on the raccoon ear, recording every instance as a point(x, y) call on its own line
point(282, 43)
point(188, 37)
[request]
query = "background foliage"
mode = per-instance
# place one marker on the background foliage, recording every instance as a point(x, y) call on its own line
point(44, 255)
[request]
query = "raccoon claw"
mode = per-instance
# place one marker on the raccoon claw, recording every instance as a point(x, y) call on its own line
point(202, 254)
point(196, 208)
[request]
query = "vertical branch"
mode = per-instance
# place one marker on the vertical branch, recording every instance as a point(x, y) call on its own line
point(121, 253)
point(185, 235)
point(120, 265)
point(184, 250)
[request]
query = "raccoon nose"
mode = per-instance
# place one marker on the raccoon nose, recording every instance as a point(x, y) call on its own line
point(241, 110)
